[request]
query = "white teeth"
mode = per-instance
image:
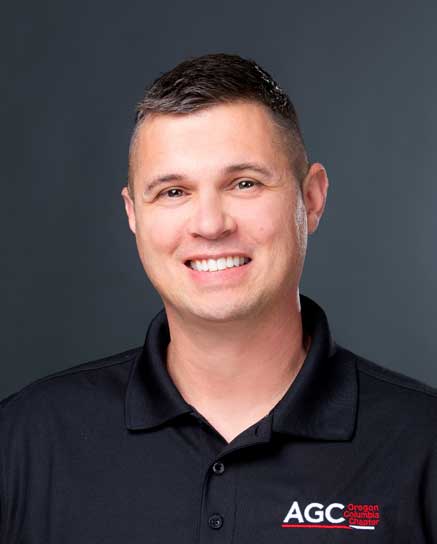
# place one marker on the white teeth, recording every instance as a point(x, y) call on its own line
point(212, 265)
point(221, 264)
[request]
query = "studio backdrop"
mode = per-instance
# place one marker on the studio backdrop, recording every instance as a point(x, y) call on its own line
point(362, 77)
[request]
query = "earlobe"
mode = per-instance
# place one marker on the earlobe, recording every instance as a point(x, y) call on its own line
point(315, 190)
point(130, 209)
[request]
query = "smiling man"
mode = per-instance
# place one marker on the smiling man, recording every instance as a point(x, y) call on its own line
point(221, 222)
point(240, 420)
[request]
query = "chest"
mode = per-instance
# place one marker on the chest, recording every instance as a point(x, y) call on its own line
point(178, 485)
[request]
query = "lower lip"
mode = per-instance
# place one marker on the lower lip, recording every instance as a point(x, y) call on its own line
point(226, 276)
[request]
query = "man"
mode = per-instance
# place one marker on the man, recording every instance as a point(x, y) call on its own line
point(239, 420)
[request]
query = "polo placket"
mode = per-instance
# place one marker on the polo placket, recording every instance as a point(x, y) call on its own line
point(219, 496)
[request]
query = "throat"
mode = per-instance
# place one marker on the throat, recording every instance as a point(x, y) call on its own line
point(234, 402)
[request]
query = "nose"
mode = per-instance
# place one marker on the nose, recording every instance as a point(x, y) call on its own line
point(209, 218)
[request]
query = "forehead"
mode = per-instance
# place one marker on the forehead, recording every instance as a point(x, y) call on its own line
point(234, 132)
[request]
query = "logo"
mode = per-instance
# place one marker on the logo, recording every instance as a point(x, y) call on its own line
point(333, 516)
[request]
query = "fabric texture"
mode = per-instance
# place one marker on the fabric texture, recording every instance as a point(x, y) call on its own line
point(110, 452)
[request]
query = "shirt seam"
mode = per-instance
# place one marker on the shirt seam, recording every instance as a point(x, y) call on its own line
point(61, 374)
point(377, 376)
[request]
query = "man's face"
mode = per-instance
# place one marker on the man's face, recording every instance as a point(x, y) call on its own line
point(217, 184)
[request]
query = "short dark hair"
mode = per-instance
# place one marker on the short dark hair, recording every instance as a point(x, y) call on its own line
point(209, 80)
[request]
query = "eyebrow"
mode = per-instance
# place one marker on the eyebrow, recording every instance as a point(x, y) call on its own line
point(231, 169)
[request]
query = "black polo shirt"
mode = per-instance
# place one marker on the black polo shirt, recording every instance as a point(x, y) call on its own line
point(109, 452)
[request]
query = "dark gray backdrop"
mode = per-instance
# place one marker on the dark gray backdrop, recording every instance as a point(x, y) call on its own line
point(363, 78)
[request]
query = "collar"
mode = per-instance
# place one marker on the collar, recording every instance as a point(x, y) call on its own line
point(320, 404)
point(322, 401)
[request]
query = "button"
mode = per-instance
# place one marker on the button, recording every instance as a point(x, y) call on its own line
point(215, 521)
point(218, 468)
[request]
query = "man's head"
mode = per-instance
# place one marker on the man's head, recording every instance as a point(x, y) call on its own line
point(215, 79)
point(216, 182)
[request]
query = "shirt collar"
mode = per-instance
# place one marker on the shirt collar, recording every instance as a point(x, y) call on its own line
point(151, 397)
point(322, 401)
point(320, 404)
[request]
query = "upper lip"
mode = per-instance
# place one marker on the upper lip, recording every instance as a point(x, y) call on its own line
point(217, 256)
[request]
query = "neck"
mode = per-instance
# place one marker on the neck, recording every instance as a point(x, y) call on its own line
point(234, 373)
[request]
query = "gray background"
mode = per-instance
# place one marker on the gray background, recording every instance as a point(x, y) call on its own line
point(363, 78)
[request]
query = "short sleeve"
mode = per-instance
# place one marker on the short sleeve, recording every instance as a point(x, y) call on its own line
point(2, 478)
point(430, 495)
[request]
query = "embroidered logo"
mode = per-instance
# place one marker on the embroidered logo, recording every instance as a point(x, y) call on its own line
point(333, 516)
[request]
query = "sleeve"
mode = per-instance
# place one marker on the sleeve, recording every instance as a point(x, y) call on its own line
point(3, 473)
point(2, 478)
point(430, 495)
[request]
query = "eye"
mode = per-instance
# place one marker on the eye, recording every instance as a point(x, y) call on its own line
point(174, 192)
point(247, 184)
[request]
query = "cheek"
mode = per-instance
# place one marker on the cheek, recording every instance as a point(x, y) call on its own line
point(274, 223)
point(158, 233)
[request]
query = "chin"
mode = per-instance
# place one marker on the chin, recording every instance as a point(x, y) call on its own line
point(220, 312)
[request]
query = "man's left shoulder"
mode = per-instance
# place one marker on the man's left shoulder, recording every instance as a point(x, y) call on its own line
point(395, 382)
point(394, 394)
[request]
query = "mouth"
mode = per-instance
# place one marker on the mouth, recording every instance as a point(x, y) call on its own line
point(216, 265)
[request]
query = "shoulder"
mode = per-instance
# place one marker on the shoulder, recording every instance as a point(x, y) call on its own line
point(108, 375)
point(394, 397)
point(393, 384)
point(391, 380)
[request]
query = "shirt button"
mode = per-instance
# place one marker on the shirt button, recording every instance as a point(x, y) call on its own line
point(215, 521)
point(218, 468)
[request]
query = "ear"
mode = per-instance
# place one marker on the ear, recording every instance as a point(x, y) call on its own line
point(314, 193)
point(129, 206)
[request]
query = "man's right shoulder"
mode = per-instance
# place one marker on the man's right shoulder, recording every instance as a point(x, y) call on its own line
point(72, 385)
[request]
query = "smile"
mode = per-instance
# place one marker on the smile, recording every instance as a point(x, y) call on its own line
point(214, 265)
